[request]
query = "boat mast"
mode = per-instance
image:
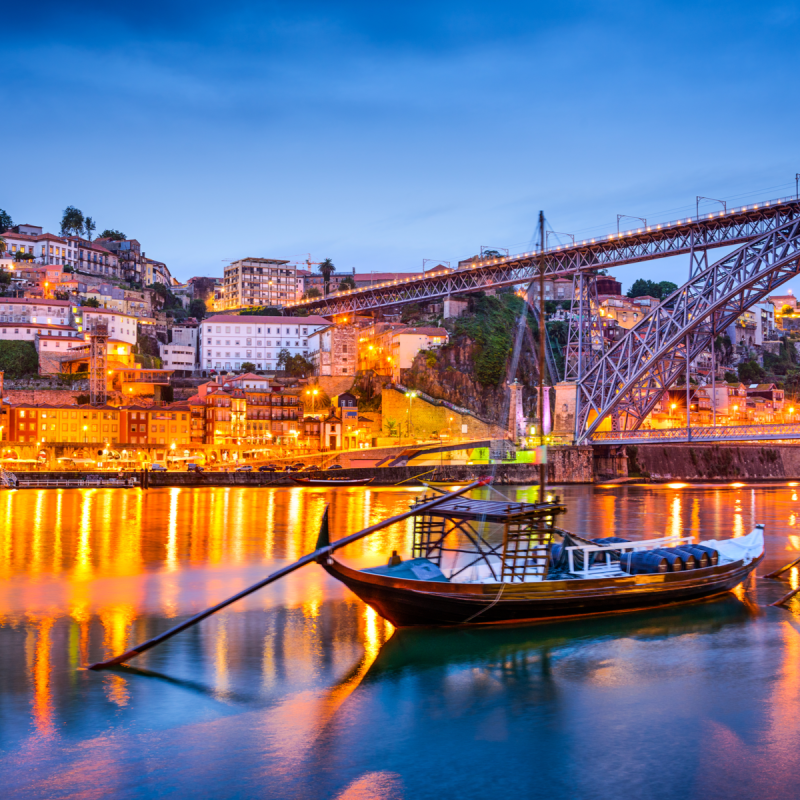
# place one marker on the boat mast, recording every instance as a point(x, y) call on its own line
point(542, 334)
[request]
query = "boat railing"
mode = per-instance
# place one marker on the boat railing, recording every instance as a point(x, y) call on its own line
point(642, 544)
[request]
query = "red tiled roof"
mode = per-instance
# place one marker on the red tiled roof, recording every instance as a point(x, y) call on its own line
point(423, 332)
point(244, 320)
point(23, 300)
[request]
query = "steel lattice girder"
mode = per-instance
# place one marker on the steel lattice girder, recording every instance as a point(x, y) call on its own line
point(633, 374)
point(655, 241)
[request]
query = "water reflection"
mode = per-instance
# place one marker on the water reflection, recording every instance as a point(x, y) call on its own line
point(85, 574)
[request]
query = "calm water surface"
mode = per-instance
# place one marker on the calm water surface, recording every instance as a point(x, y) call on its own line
point(301, 691)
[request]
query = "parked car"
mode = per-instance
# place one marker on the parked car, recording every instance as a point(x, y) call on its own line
point(194, 468)
point(335, 466)
point(299, 466)
point(290, 468)
point(156, 467)
point(267, 468)
point(245, 468)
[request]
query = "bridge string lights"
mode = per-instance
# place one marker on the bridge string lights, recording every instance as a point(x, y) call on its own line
point(625, 381)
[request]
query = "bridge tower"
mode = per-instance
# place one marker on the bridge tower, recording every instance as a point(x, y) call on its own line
point(98, 363)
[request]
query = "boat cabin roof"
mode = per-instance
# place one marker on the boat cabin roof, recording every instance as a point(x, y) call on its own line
point(492, 510)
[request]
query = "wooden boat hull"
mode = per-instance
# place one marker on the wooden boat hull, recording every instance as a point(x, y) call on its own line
point(442, 484)
point(332, 483)
point(408, 603)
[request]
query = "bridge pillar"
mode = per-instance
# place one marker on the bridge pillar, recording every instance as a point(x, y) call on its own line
point(516, 419)
point(566, 396)
point(453, 307)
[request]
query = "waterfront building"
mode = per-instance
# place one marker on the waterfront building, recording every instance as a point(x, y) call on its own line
point(42, 423)
point(227, 340)
point(259, 282)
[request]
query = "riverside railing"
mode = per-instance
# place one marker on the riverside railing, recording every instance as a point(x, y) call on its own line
point(710, 433)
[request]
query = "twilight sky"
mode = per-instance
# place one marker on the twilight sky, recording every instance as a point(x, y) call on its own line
point(382, 134)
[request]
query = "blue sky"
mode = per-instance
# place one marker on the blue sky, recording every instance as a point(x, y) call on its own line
point(382, 134)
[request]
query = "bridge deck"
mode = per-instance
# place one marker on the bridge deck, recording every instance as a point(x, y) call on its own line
point(718, 229)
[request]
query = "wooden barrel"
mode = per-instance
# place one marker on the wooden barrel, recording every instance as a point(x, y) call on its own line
point(713, 555)
point(607, 540)
point(701, 555)
point(689, 559)
point(675, 561)
point(643, 562)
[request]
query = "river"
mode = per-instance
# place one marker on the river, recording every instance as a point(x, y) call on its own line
point(301, 691)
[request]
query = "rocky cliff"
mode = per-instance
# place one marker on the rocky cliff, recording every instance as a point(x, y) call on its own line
point(472, 370)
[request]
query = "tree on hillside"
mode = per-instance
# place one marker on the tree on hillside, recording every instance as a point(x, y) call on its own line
point(248, 366)
point(312, 294)
point(3, 245)
point(659, 290)
point(5, 281)
point(72, 221)
point(115, 236)
point(751, 372)
point(197, 309)
point(18, 359)
point(20, 256)
point(327, 269)
point(296, 366)
point(347, 283)
point(6, 222)
point(90, 226)
point(90, 302)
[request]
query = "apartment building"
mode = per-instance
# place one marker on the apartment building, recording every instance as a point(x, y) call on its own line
point(130, 257)
point(120, 326)
point(626, 311)
point(258, 282)
point(46, 248)
point(334, 350)
point(35, 311)
point(228, 340)
point(93, 257)
point(178, 357)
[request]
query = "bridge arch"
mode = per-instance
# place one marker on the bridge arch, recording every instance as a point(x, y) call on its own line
point(627, 381)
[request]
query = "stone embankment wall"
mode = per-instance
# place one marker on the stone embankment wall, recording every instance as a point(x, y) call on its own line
point(44, 390)
point(714, 462)
point(428, 418)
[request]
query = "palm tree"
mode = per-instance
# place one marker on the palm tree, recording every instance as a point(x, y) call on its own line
point(327, 269)
point(3, 245)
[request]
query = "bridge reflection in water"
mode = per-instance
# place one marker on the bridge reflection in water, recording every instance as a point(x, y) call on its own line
point(259, 689)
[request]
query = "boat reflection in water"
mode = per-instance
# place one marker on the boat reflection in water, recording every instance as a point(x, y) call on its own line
point(423, 648)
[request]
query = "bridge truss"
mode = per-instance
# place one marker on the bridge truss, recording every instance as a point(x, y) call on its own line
point(629, 379)
point(691, 235)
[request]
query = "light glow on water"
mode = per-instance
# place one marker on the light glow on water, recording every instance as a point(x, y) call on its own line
point(303, 691)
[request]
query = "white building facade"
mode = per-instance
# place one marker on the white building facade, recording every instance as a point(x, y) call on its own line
point(178, 357)
point(227, 340)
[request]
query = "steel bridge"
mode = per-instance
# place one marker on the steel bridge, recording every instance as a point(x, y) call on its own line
point(688, 235)
point(624, 382)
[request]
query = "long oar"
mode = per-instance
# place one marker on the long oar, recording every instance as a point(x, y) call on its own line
point(780, 571)
point(322, 550)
